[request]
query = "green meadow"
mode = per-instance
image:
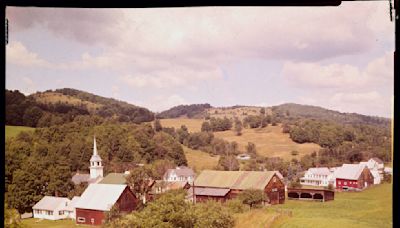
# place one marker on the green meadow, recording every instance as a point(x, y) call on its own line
point(12, 131)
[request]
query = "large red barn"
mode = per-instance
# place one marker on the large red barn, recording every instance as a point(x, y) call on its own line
point(353, 177)
point(98, 199)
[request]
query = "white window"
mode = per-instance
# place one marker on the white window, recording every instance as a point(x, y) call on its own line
point(81, 219)
point(339, 182)
point(92, 220)
point(60, 212)
point(345, 182)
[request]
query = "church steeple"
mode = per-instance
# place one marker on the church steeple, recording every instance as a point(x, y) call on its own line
point(96, 168)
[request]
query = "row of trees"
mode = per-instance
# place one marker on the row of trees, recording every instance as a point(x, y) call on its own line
point(217, 124)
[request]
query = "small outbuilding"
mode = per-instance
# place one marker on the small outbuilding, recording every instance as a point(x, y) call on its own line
point(311, 193)
point(52, 208)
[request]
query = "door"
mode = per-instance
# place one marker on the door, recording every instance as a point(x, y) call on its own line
point(274, 198)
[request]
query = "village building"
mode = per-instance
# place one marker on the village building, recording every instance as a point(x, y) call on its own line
point(53, 208)
point(96, 169)
point(243, 157)
point(224, 185)
point(161, 186)
point(375, 165)
point(180, 173)
point(98, 199)
point(353, 177)
point(311, 193)
point(321, 176)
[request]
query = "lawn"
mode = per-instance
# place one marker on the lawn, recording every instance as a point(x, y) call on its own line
point(370, 208)
point(65, 223)
point(270, 142)
point(12, 131)
point(199, 160)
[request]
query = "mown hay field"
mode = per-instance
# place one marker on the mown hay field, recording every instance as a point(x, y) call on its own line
point(199, 160)
point(12, 131)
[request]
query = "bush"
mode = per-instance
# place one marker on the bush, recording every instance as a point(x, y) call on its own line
point(295, 152)
point(235, 206)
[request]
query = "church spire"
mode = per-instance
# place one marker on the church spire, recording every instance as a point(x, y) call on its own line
point(94, 146)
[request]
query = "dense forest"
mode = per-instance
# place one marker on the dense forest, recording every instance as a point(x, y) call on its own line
point(42, 162)
point(190, 111)
point(64, 105)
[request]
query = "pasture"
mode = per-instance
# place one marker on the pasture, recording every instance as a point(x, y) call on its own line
point(199, 160)
point(12, 131)
point(370, 208)
point(193, 125)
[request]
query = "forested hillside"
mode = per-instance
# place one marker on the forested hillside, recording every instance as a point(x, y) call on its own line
point(189, 111)
point(42, 162)
point(292, 111)
point(50, 108)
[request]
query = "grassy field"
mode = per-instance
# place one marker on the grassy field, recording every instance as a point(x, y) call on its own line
point(51, 98)
point(12, 131)
point(270, 142)
point(199, 160)
point(37, 223)
point(370, 208)
point(193, 125)
point(255, 218)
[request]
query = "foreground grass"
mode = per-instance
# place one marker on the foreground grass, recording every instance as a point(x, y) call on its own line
point(255, 218)
point(12, 131)
point(370, 208)
point(270, 142)
point(199, 160)
point(65, 223)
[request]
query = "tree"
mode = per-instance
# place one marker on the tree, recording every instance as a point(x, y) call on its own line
point(112, 214)
point(157, 125)
point(238, 127)
point(262, 111)
point(32, 116)
point(139, 179)
point(229, 163)
point(295, 152)
point(252, 197)
point(11, 218)
point(206, 127)
point(251, 149)
point(295, 183)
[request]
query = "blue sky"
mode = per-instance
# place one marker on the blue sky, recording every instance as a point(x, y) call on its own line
point(335, 57)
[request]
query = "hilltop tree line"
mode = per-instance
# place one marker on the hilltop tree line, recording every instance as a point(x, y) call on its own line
point(42, 162)
point(24, 110)
point(190, 111)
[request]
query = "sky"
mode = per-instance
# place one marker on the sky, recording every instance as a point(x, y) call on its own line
point(339, 58)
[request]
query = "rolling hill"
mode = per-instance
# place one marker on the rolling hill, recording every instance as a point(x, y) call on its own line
point(44, 109)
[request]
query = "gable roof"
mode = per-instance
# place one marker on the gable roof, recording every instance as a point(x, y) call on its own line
point(72, 204)
point(180, 171)
point(349, 171)
point(320, 171)
point(379, 161)
point(80, 177)
point(100, 196)
point(51, 203)
point(234, 179)
point(209, 191)
point(114, 178)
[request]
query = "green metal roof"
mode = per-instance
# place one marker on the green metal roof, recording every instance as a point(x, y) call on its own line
point(234, 179)
point(114, 178)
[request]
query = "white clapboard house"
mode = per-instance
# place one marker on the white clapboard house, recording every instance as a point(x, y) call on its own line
point(54, 208)
point(321, 176)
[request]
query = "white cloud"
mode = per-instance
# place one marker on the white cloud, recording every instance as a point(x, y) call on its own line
point(18, 54)
point(161, 103)
point(29, 86)
point(340, 76)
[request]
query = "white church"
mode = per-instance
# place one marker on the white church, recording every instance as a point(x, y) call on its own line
point(54, 208)
point(96, 169)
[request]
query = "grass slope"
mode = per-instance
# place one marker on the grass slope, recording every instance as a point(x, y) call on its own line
point(270, 142)
point(65, 223)
point(255, 218)
point(370, 208)
point(193, 125)
point(199, 160)
point(12, 131)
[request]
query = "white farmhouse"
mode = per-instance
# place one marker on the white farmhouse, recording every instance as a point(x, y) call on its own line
point(181, 173)
point(376, 166)
point(52, 208)
point(322, 176)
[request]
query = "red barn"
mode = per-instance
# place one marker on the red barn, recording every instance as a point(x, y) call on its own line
point(353, 177)
point(224, 185)
point(98, 199)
